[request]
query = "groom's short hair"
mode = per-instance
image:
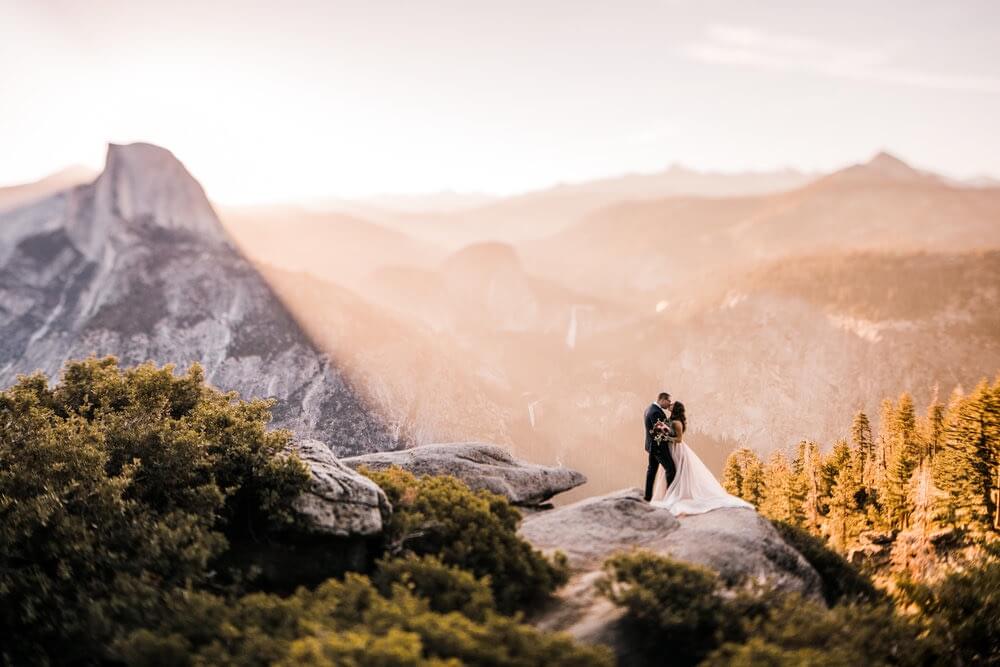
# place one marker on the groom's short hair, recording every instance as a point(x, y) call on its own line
point(663, 395)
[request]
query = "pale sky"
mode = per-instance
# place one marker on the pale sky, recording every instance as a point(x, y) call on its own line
point(268, 101)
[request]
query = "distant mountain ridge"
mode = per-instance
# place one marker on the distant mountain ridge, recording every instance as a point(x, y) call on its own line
point(882, 204)
point(137, 264)
point(538, 214)
point(17, 195)
point(885, 167)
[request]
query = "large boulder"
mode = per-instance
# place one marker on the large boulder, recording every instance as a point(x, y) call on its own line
point(592, 529)
point(739, 544)
point(340, 501)
point(344, 513)
point(481, 466)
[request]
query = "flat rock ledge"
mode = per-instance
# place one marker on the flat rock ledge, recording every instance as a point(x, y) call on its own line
point(340, 502)
point(739, 544)
point(481, 466)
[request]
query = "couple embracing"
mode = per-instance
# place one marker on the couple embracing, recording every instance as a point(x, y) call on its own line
point(675, 477)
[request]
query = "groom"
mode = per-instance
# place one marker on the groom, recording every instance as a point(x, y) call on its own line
point(659, 454)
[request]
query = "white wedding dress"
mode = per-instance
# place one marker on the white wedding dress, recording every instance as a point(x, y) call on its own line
point(695, 489)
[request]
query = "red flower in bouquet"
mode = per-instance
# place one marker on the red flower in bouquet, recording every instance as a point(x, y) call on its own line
point(661, 431)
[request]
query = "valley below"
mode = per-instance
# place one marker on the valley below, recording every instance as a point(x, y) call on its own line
point(773, 308)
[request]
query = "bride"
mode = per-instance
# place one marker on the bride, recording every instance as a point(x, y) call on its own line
point(695, 489)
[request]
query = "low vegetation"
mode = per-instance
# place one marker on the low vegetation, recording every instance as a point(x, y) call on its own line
point(475, 530)
point(842, 582)
point(682, 612)
point(344, 623)
point(122, 489)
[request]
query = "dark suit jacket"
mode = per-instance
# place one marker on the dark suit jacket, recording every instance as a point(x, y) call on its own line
point(654, 413)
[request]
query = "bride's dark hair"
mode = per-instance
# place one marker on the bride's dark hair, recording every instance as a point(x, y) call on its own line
point(678, 414)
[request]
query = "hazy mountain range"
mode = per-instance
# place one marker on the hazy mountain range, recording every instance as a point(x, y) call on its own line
point(775, 305)
point(18, 195)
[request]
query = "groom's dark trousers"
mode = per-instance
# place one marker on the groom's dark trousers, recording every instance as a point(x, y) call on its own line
point(659, 454)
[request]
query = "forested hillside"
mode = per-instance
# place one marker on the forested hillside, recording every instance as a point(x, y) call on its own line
point(913, 495)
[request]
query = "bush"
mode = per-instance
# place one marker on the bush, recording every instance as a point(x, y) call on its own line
point(346, 623)
point(446, 588)
point(802, 632)
point(117, 487)
point(675, 609)
point(962, 610)
point(842, 582)
point(683, 613)
point(472, 530)
point(120, 491)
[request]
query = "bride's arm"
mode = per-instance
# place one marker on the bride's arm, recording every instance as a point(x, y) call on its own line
point(678, 431)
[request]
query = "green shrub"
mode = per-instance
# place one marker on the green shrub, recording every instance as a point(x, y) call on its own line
point(796, 631)
point(445, 587)
point(841, 581)
point(675, 609)
point(472, 530)
point(120, 491)
point(681, 613)
point(962, 610)
point(346, 623)
point(117, 487)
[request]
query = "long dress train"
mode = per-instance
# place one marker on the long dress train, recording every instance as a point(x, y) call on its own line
point(695, 489)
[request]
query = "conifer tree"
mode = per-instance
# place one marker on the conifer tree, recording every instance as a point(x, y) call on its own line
point(840, 457)
point(846, 519)
point(922, 494)
point(743, 475)
point(805, 485)
point(864, 446)
point(845, 493)
point(882, 456)
point(753, 480)
point(732, 473)
point(777, 502)
point(900, 434)
point(967, 466)
point(933, 429)
point(993, 450)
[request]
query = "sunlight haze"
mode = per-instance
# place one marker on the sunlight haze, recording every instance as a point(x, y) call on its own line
point(354, 99)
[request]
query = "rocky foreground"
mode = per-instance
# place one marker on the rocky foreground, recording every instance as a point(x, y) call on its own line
point(739, 544)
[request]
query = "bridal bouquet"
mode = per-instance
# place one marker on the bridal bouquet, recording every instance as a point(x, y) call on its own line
point(661, 432)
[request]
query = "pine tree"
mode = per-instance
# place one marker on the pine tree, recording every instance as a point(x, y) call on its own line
point(993, 450)
point(846, 490)
point(887, 416)
point(846, 519)
point(732, 473)
point(903, 456)
point(967, 466)
point(933, 429)
point(840, 457)
point(743, 475)
point(882, 455)
point(804, 489)
point(777, 502)
point(922, 494)
point(753, 480)
point(864, 446)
